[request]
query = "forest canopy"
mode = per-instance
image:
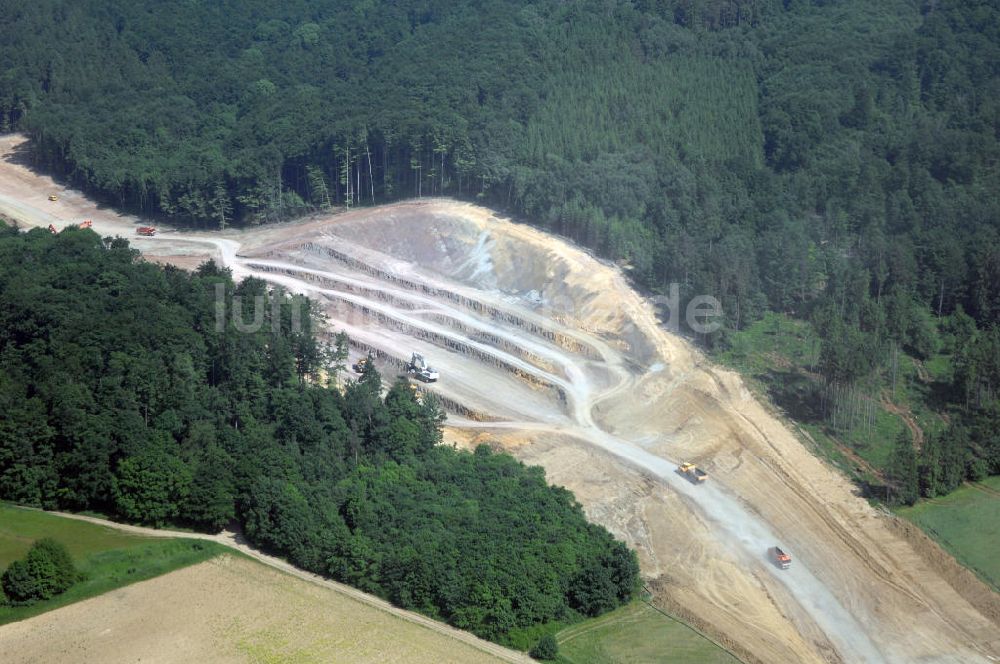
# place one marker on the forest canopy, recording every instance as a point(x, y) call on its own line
point(782, 155)
point(121, 394)
point(834, 161)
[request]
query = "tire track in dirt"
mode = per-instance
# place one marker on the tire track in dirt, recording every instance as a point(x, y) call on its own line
point(916, 433)
point(979, 486)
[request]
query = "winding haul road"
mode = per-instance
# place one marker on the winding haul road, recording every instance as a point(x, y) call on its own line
point(513, 360)
point(744, 531)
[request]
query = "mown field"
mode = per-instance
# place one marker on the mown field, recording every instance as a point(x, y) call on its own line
point(637, 633)
point(229, 609)
point(967, 524)
point(108, 559)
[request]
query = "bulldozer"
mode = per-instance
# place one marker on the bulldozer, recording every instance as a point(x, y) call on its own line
point(419, 368)
point(417, 395)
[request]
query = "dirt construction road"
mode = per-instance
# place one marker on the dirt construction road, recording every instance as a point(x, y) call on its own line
point(548, 352)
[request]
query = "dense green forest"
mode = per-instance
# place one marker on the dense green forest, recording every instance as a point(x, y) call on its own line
point(834, 160)
point(120, 393)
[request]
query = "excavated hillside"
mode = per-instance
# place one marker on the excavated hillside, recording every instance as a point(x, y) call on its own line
point(548, 352)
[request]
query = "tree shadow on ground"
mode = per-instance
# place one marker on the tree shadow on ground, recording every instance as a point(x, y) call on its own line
point(796, 394)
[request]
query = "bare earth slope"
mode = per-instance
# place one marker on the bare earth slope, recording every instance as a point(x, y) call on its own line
point(548, 351)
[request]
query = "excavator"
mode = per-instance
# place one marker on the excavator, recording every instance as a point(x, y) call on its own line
point(419, 368)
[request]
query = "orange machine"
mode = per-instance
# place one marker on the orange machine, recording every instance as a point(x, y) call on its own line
point(779, 557)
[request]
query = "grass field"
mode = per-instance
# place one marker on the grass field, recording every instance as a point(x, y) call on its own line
point(780, 357)
point(637, 633)
point(967, 524)
point(107, 558)
point(229, 609)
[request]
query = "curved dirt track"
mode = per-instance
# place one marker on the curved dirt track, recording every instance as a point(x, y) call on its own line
point(548, 352)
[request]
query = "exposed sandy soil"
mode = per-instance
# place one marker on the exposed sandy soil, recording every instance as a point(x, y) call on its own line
point(548, 352)
point(228, 609)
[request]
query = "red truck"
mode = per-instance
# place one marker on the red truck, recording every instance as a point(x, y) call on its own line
point(148, 231)
point(779, 557)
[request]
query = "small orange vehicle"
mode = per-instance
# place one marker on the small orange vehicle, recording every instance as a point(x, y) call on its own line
point(779, 557)
point(148, 231)
point(86, 224)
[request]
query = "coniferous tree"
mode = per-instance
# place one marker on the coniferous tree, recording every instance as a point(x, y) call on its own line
point(902, 473)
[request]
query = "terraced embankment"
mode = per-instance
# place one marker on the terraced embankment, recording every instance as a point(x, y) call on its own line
point(547, 351)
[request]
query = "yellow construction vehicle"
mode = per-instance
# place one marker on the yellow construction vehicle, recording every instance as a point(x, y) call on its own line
point(359, 366)
point(693, 472)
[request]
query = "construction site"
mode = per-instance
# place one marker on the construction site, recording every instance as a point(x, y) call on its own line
point(536, 347)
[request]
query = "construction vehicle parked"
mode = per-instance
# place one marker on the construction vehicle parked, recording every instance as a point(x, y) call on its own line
point(148, 231)
point(693, 472)
point(779, 557)
point(53, 198)
point(53, 229)
point(359, 366)
point(421, 370)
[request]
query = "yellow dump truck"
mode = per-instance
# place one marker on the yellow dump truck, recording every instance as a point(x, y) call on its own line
point(693, 472)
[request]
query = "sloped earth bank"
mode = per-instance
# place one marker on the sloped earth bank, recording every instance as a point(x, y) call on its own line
point(548, 352)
